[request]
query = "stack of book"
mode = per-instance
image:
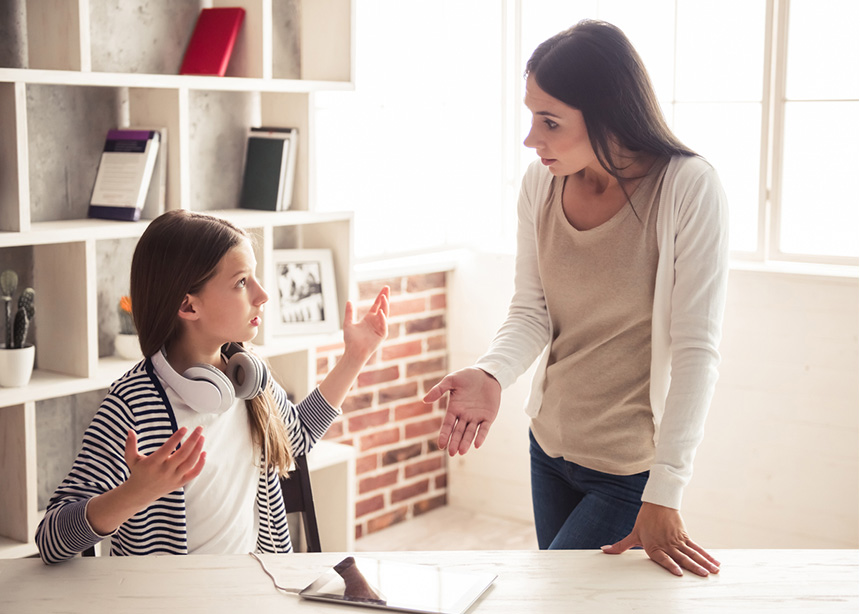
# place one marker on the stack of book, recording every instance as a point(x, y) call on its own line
point(270, 168)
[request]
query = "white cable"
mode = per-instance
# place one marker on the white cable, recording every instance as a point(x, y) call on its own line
point(294, 591)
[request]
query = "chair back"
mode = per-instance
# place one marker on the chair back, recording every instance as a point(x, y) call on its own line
point(298, 498)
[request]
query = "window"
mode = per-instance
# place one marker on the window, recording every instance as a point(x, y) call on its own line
point(766, 90)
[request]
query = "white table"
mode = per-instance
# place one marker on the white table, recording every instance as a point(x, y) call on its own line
point(529, 582)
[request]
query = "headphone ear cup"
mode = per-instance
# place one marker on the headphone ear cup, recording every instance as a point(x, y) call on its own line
point(220, 384)
point(254, 375)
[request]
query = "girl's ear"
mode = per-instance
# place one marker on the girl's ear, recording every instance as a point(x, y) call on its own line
point(187, 309)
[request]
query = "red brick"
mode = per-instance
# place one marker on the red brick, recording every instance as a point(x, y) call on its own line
point(423, 325)
point(427, 384)
point(376, 482)
point(407, 492)
point(335, 347)
point(355, 402)
point(358, 531)
point(386, 520)
point(368, 378)
point(394, 331)
point(439, 301)
point(427, 281)
point(366, 420)
point(369, 505)
point(426, 505)
point(335, 430)
point(401, 350)
point(381, 438)
point(424, 466)
point(437, 342)
point(366, 463)
point(441, 481)
point(367, 290)
point(322, 365)
point(401, 454)
point(423, 427)
point(410, 410)
point(408, 306)
point(422, 367)
point(395, 393)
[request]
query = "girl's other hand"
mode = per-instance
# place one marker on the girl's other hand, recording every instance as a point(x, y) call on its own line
point(166, 469)
point(361, 339)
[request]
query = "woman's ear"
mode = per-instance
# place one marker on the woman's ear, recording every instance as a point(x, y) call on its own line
point(187, 310)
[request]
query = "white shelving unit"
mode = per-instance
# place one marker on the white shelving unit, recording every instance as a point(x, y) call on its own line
point(43, 214)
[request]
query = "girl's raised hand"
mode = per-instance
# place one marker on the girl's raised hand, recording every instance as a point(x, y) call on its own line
point(166, 469)
point(362, 338)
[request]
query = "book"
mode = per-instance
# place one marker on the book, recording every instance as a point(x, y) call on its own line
point(156, 197)
point(270, 168)
point(212, 41)
point(124, 174)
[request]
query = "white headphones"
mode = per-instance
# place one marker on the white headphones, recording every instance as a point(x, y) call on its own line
point(209, 391)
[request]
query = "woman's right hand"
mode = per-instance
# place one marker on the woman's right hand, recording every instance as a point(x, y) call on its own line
point(472, 407)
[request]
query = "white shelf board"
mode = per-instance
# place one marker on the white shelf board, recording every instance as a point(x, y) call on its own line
point(49, 385)
point(12, 549)
point(190, 82)
point(328, 454)
point(70, 231)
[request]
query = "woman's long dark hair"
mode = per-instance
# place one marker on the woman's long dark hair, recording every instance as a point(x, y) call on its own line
point(176, 255)
point(593, 68)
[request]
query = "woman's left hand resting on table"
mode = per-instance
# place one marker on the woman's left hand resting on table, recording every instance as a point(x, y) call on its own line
point(661, 533)
point(360, 339)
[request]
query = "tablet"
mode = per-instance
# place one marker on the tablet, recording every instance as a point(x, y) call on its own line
point(402, 587)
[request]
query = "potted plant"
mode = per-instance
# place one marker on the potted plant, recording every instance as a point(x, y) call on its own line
point(126, 344)
point(16, 355)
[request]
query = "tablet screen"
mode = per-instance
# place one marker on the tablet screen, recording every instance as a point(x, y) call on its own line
point(404, 587)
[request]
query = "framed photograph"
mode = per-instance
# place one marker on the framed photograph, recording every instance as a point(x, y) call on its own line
point(305, 295)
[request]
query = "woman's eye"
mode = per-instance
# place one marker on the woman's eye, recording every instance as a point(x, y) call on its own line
point(550, 124)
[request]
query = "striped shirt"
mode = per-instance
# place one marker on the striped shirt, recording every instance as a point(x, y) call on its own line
point(137, 401)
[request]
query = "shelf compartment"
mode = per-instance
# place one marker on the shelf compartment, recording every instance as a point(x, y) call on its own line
point(17, 471)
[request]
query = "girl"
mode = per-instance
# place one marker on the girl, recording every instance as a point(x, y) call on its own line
point(142, 475)
point(621, 272)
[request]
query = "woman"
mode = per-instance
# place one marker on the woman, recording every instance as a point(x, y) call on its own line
point(621, 271)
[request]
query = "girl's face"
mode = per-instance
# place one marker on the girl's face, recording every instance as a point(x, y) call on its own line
point(230, 305)
point(558, 133)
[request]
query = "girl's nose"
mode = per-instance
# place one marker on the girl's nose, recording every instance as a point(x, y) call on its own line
point(262, 296)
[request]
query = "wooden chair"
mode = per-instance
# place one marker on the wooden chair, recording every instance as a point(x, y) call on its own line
point(298, 498)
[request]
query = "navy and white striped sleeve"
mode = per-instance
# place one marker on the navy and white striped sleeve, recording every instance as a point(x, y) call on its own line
point(99, 467)
point(306, 422)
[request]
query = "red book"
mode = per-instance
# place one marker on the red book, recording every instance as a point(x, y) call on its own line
point(212, 42)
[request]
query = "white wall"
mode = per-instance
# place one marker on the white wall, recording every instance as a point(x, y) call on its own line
point(779, 464)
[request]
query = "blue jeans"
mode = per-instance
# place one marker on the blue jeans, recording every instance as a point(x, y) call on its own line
point(577, 508)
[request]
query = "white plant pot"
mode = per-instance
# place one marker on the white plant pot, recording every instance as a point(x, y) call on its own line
point(16, 366)
point(127, 346)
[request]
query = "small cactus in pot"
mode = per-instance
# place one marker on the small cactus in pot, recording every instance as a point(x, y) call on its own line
point(17, 328)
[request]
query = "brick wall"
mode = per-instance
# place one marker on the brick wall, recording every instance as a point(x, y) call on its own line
point(400, 472)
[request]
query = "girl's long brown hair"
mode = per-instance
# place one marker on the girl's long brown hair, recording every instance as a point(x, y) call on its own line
point(177, 254)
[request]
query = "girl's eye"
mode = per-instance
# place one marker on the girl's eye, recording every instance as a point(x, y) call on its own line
point(241, 283)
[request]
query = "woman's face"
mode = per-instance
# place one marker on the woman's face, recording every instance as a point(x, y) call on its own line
point(558, 133)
